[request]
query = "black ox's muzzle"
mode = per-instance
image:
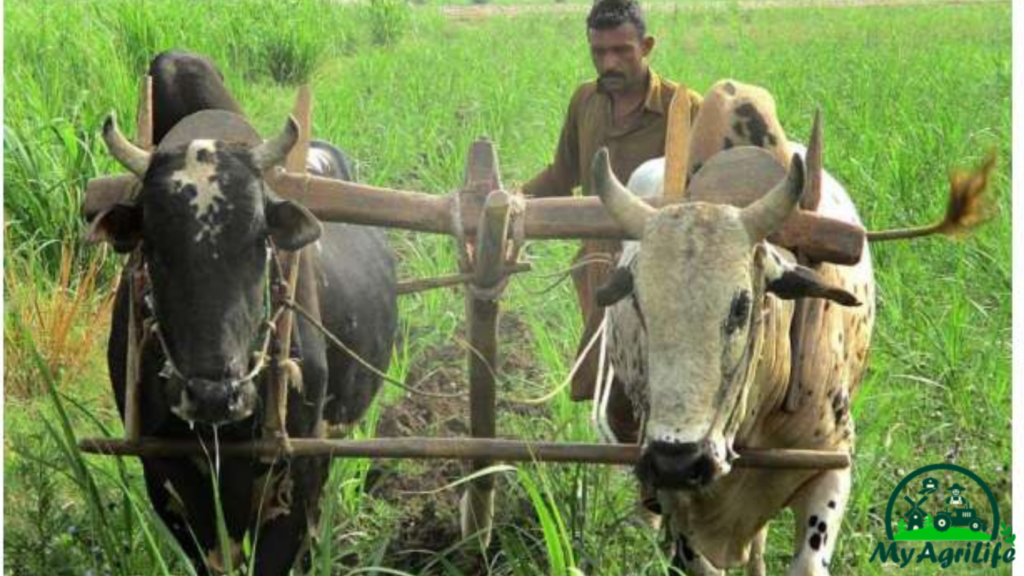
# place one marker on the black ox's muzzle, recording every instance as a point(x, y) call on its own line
point(216, 402)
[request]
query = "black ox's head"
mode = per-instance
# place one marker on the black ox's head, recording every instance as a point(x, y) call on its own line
point(203, 219)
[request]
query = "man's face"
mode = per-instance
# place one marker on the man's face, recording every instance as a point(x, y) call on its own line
point(956, 492)
point(619, 57)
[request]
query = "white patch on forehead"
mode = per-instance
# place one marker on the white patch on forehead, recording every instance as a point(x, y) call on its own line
point(198, 177)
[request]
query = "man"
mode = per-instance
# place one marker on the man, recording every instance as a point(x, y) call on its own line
point(957, 498)
point(626, 110)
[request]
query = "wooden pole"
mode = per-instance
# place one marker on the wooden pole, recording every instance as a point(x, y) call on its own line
point(491, 449)
point(339, 201)
point(303, 114)
point(144, 116)
point(133, 361)
point(677, 146)
point(489, 250)
point(492, 235)
point(483, 317)
point(275, 422)
point(133, 272)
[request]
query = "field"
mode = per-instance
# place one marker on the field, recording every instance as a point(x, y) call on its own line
point(907, 93)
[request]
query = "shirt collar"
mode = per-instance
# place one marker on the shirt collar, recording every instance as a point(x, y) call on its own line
point(653, 102)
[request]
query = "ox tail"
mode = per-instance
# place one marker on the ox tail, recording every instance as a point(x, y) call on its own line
point(969, 206)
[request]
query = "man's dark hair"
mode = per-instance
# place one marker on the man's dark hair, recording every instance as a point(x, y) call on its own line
point(608, 14)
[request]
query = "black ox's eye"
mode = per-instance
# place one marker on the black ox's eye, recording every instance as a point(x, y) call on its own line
point(738, 312)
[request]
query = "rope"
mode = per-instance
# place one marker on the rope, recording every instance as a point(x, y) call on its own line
point(171, 369)
point(491, 293)
point(373, 369)
point(563, 275)
point(270, 327)
point(568, 379)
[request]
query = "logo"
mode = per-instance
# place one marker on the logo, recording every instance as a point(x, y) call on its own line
point(944, 503)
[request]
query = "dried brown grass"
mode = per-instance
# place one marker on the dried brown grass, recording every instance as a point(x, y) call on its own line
point(67, 320)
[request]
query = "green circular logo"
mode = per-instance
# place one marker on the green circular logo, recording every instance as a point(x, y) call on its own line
point(957, 521)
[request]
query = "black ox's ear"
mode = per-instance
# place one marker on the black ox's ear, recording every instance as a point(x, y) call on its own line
point(290, 225)
point(789, 281)
point(119, 225)
point(618, 287)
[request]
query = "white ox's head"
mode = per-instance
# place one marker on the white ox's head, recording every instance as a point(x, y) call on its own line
point(701, 280)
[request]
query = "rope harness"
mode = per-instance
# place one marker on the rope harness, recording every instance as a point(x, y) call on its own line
point(143, 300)
point(280, 296)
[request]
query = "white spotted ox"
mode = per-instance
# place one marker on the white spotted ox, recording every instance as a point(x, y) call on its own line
point(700, 324)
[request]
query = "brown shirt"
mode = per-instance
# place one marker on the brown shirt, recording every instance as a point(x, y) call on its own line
point(590, 125)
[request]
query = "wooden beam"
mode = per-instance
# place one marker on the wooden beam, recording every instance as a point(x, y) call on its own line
point(823, 239)
point(488, 249)
point(677, 146)
point(133, 275)
point(483, 315)
point(482, 173)
point(339, 201)
point(492, 236)
point(275, 421)
point(454, 449)
point(144, 115)
point(820, 238)
point(303, 114)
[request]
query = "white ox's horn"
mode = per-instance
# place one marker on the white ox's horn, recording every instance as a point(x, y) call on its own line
point(274, 151)
point(135, 159)
point(766, 216)
point(625, 207)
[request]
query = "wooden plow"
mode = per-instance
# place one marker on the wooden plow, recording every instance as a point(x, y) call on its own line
point(489, 225)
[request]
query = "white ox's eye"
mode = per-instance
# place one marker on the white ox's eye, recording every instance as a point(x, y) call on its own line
point(734, 342)
point(739, 311)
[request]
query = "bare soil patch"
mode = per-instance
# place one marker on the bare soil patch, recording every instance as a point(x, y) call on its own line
point(429, 521)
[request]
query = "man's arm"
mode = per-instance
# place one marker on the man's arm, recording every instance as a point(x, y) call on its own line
point(561, 176)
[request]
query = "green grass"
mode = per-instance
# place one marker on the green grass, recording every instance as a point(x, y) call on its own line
point(907, 93)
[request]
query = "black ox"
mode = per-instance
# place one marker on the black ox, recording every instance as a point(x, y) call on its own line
point(207, 226)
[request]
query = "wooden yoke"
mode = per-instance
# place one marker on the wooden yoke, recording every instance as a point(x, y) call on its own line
point(283, 372)
point(677, 147)
point(135, 276)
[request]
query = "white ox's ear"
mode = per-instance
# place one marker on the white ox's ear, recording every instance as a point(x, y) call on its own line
point(619, 285)
point(789, 281)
